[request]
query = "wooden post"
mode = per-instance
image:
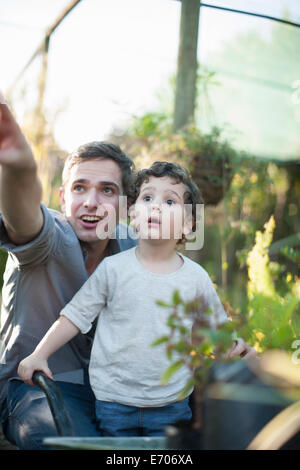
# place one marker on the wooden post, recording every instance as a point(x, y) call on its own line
point(185, 95)
point(43, 74)
point(44, 46)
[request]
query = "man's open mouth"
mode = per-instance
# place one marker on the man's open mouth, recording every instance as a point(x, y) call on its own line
point(90, 220)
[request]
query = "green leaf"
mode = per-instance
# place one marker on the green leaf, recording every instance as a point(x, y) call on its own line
point(163, 304)
point(181, 347)
point(171, 321)
point(162, 339)
point(176, 298)
point(208, 311)
point(187, 388)
point(183, 330)
point(171, 371)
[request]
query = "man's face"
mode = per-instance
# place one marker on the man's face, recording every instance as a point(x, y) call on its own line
point(90, 198)
point(159, 209)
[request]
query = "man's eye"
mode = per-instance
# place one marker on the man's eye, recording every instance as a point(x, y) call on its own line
point(108, 190)
point(78, 188)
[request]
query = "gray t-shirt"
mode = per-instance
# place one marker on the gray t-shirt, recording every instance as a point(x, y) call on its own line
point(124, 368)
point(40, 278)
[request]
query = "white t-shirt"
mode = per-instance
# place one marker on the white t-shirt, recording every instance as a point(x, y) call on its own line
point(124, 367)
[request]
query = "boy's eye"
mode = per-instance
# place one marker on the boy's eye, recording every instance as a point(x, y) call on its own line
point(170, 202)
point(147, 198)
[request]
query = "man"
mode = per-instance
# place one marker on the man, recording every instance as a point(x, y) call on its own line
point(50, 256)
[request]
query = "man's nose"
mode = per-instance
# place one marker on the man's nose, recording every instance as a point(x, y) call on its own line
point(91, 200)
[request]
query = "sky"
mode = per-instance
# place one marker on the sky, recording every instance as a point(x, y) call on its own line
point(109, 59)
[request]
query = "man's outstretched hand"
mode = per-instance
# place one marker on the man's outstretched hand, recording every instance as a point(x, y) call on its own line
point(20, 187)
point(14, 149)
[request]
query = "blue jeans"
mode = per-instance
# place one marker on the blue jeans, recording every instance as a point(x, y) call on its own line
point(115, 419)
point(28, 417)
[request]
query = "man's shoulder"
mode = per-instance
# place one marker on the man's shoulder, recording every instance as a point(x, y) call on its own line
point(125, 236)
point(55, 213)
point(57, 216)
point(119, 259)
point(62, 226)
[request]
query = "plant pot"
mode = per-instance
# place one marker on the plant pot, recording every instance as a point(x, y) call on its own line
point(236, 405)
point(213, 177)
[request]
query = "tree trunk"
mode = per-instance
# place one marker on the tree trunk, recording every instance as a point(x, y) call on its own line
point(187, 64)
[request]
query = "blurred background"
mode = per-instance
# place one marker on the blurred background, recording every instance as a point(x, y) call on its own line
point(214, 85)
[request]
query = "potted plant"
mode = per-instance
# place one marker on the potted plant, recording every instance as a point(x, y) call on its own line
point(208, 156)
point(233, 400)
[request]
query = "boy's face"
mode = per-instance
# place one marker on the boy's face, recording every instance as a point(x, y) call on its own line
point(90, 198)
point(159, 211)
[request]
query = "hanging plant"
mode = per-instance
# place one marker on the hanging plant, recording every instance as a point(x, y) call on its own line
point(207, 156)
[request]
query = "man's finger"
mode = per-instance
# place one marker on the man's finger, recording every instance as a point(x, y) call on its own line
point(3, 100)
point(8, 123)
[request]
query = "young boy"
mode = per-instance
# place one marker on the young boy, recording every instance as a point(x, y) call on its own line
point(124, 369)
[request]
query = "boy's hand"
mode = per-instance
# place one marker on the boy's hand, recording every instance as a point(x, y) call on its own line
point(30, 364)
point(240, 348)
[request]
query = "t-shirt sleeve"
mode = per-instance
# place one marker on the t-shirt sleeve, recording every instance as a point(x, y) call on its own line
point(37, 250)
point(211, 304)
point(88, 302)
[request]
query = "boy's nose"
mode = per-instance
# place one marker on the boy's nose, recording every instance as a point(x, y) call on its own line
point(156, 206)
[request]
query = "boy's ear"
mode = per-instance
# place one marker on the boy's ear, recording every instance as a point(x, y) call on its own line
point(188, 225)
point(188, 221)
point(132, 215)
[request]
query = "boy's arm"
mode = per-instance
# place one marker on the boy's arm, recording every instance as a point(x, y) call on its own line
point(20, 187)
point(62, 331)
point(76, 316)
point(88, 303)
point(241, 348)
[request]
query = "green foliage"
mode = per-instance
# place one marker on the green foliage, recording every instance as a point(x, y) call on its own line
point(3, 258)
point(271, 321)
point(266, 316)
point(207, 345)
point(149, 124)
point(291, 253)
point(256, 97)
point(260, 279)
point(273, 313)
point(252, 196)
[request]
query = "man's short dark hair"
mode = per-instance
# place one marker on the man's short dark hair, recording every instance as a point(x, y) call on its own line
point(175, 171)
point(101, 150)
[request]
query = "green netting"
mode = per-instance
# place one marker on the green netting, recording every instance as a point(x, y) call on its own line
point(255, 92)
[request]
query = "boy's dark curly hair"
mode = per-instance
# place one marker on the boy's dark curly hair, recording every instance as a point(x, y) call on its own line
point(175, 171)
